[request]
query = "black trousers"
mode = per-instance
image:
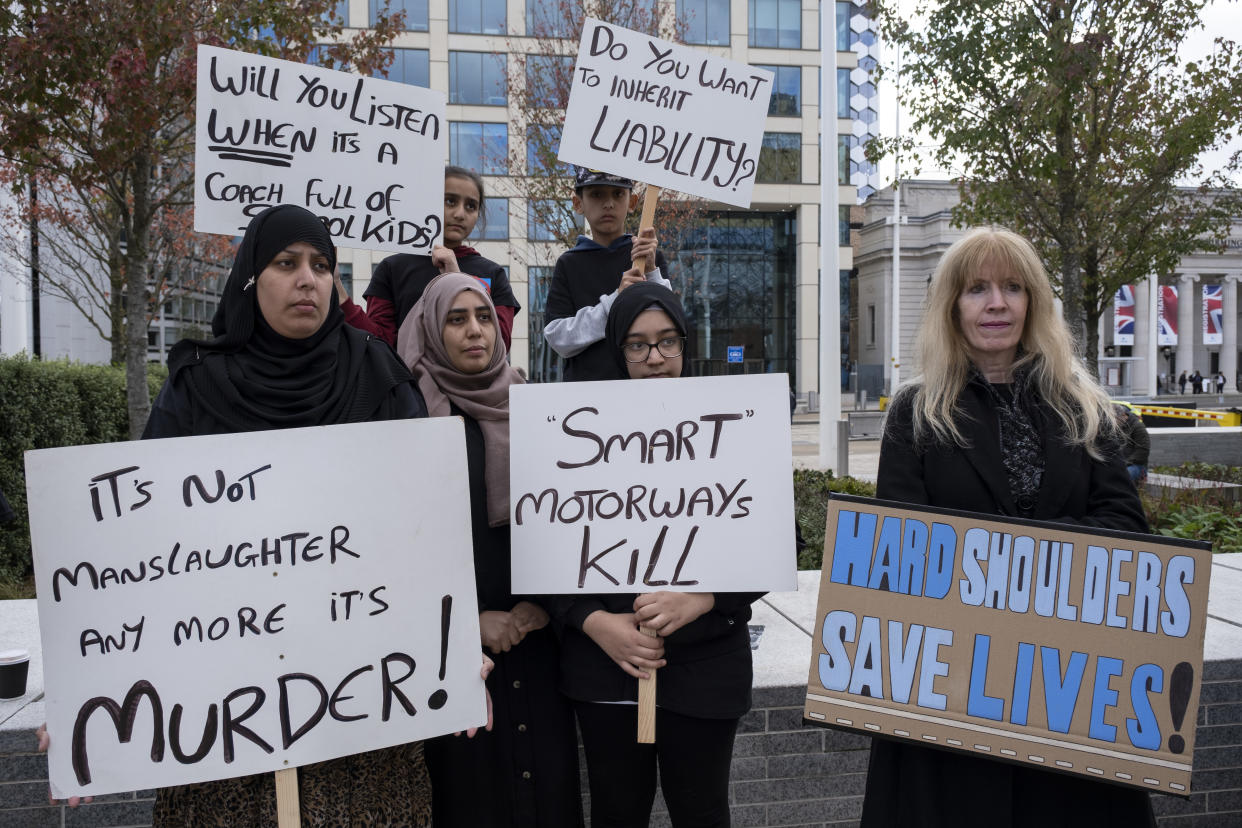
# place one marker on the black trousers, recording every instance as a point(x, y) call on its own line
point(692, 755)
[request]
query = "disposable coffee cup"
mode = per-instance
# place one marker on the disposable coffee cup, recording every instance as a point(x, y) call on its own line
point(14, 665)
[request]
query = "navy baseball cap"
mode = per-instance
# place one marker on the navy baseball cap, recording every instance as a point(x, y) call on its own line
point(587, 178)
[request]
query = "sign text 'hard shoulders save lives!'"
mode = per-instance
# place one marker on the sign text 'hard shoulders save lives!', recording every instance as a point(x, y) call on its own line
point(362, 153)
point(219, 606)
point(639, 486)
point(665, 114)
point(1053, 645)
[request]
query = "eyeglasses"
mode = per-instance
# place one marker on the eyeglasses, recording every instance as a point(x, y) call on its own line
point(668, 347)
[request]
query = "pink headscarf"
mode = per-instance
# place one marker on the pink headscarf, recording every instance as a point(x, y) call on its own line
point(483, 396)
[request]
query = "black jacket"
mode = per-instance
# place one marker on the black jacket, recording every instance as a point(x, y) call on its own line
point(911, 786)
point(1075, 487)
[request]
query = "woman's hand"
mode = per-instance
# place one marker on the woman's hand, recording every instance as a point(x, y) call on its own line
point(529, 617)
point(644, 248)
point(44, 742)
point(444, 259)
point(633, 276)
point(617, 635)
point(484, 672)
point(667, 612)
point(499, 630)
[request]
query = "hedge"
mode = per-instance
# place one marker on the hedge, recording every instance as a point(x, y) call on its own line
point(50, 404)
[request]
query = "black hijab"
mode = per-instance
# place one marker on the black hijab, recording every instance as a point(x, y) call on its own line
point(629, 304)
point(250, 378)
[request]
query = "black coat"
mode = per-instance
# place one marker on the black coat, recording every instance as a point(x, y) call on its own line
point(910, 785)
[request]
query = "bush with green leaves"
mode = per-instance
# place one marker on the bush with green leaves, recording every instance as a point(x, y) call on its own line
point(811, 488)
point(1206, 514)
point(47, 404)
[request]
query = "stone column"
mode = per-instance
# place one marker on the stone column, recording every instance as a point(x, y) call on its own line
point(1142, 371)
point(1229, 336)
point(1186, 323)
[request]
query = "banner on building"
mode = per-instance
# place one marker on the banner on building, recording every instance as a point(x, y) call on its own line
point(1041, 643)
point(639, 486)
point(1166, 311)
point(1213, 314)
point(364, 154)
point(1123, 316)
point(666, 114)
point(226, 605)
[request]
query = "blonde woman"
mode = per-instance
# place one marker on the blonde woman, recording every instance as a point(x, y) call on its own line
point(1003, 420)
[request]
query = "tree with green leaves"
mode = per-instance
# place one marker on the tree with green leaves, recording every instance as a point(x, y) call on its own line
point(97, 101)
point(1073, 122)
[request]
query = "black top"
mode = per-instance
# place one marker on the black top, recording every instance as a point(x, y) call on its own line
point(402, 278)
point(582, 275)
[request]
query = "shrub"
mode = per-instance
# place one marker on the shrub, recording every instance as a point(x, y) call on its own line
point(47, 405)
point(1202, 514)
point(811, 488)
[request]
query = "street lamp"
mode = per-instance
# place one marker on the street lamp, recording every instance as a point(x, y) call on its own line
point(1168, 377)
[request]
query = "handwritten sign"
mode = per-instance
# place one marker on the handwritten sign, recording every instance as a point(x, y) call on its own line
point(665, 114)
point(624, 486)
point(366, 155)
point(1048, 644)
point(219, 606)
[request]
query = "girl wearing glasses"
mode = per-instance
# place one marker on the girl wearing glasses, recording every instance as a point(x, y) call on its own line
point(702, 646)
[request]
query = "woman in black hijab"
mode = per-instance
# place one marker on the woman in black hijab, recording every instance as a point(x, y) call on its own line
point(282, 357)
point(701, 648)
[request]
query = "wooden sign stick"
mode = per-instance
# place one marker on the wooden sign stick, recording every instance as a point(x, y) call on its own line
point(288, 813)
point(650, 198)
point(647, 687)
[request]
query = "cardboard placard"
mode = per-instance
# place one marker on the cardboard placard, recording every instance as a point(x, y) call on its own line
point(666, 114)
point(252, 602)
point(364, 154)
point(1049, 644)
point(681, 485)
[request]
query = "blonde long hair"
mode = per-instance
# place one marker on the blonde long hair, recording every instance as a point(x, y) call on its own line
point(1046, 354)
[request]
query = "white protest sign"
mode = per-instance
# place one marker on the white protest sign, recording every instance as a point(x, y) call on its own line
point(665, 114)
point(364, 154)
point(219, 606)
point(623, 486)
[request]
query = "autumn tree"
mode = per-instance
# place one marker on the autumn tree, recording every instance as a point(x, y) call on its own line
point(539, 81)
point(97, 103)
point(1073, 123)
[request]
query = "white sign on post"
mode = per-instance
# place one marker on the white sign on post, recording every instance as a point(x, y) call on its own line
point(626, 486)
point(220, 606)
point(364, 154)
point(665, 114)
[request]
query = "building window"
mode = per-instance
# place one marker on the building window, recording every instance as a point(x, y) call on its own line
point(705, 21)
point(544, 365)
point(776, 24)
point(870, 326)
point(843, 159)
point(843, 226)
point(548, 78)
point(844, 12)
point(786, 100)
point(780, 158)
point(549, 219)
point(412, 66)
point(344, 269)
point(843, 93)
point(483, 148)
point(415, 12)
point(340, 11)
point(548, 18)
point(494, 225)
point(476, 78)
point(477, 16)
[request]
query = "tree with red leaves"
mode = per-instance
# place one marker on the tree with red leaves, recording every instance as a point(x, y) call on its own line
point(97, 105)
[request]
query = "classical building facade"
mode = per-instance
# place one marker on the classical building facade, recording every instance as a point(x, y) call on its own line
point(1177, 325)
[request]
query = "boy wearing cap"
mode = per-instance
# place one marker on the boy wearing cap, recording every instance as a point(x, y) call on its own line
point(589, 275)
